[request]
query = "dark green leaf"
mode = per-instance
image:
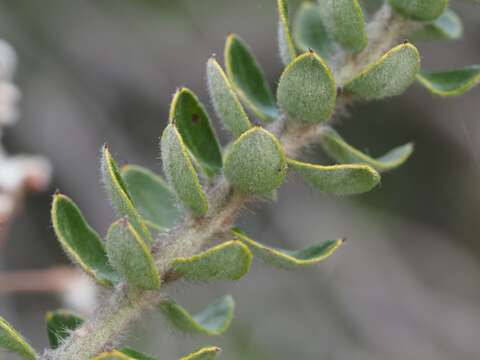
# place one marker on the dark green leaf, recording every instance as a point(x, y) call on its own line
point(60, 323)
point(81, 243)
point(285, 41)
point(12, 341)
point(424, 10)
point(450, 82)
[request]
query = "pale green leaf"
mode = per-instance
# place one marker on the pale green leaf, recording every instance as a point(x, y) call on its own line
point(256, 162)
point(344, 20)
point(60, 324)
point(123, 354)
point(248, 78)
point(285, 40)
point(228, 261)
point(135, 354)
point(180, 172)
point(193, 124)
point(338, 149)
point(307, 90)
point(288, 259)
point(309, 30)
point(81, 243)
point(337, 179)
point(152, 196)
point(131, 257)
point(12, 341)
point(225, 101)
point(448, 26)
point(423, 10)
point(213, 320)
point(391, 75)
point(451, 82)
point(207, 353)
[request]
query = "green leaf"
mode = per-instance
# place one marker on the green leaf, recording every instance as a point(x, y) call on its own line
point(225, 101)
point(193, 124)
point(307, 90)
point(208, 353)
point(180, 172)
point(309, 31)
point(287, 259)
point(60, 323)
point(338, 149)
point(451, 82)
point(285, 41)
point(256, 162)
point(135, 354)
point(213, 320)
point(131, 257)
point(248, 78)
point(152, 196)
point(338, 179)
point(344, 20)
point(391, 75)
point(423, 10)
point(119, 195)
point(12, 341)
point(228, 261)
point(448, 26)
point(81, 243)
point(123, 354)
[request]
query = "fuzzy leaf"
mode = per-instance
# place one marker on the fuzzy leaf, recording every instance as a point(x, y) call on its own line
point(450, 82)
point(256, 162)
point(180, 172)
point(60, 323)
point(448, 26)
point(119, 195)
point(208, 353)
point(193, 124)
point(152, 196)
point(225, 101)
point(338, 149)
point(248, 78)
point(228, 261)
point(287, 259)
point(309, 30)
point(123, 354)
point(337, 179)
point(285, 41)
point(344, 20)
point(131, 257)
point(424, 10)
point(12, 341)
point(391, 75)
point(213, 320)
point(307, 90)
point(81, 243)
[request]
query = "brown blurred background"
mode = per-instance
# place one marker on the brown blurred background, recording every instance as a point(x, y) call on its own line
point(405, 286)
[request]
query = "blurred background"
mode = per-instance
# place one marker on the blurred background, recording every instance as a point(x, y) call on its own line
point(406, 284)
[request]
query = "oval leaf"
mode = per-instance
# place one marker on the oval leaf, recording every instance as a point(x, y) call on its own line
point(287, 259)
point(307, 90)
point(180, 172)
point(338, 179)
point(342, 152)
point(131, 257)
point(309, 31)
point(425, 10)
point(213, 320)
point(225, 101)
point(285, 41)
point(208, 353)
point(81, 243)
point(119, 195)
point(344, 20)
point(228, 261)
point(256, 162)
point(248, 79)
point(448, 26)
point(451, 82)
point(152, 196)
point(60, 324)
point(12, 341)
point(391, 75)
point(193, 124)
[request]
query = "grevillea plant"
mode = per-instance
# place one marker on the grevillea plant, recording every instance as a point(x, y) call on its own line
point(334, 55)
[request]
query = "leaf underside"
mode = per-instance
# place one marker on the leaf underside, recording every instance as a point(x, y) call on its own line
point(452, 82)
